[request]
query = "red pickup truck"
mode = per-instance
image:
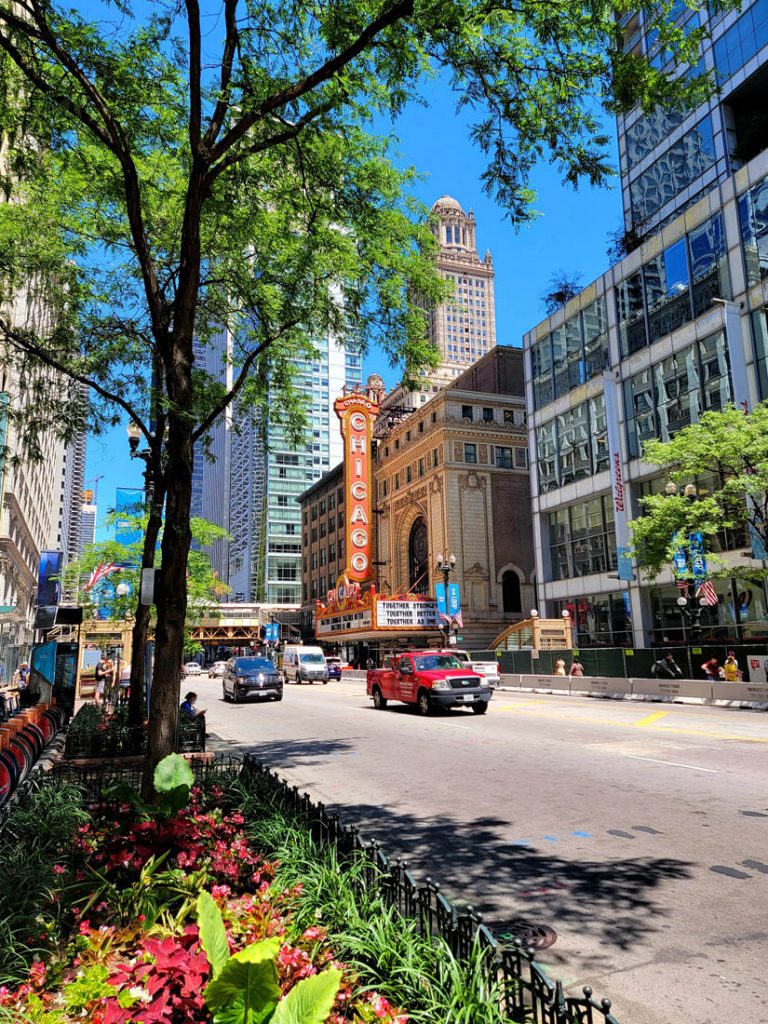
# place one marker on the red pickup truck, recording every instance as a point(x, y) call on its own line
point(429, 679)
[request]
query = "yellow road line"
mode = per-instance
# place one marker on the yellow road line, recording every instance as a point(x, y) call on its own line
point(671, 730)
point(650, 719)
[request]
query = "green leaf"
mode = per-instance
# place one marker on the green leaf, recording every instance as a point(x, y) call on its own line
point(248, 977)
point(213, 934)
point(310, 1001)
point(172, 773)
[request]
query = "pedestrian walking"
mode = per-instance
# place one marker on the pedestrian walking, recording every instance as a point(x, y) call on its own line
point(666, 668)
point(731, 671)
point(576, 669)
point(559, 667)
point(102, 671)
point(711, 670)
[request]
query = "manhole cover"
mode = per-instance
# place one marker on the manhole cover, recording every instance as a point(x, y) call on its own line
point(531, 935)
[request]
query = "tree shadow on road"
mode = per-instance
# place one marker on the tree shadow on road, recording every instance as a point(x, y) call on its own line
point(285, 753)
point(613, 904)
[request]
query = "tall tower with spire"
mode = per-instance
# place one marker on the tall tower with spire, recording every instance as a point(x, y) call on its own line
point(464, 328)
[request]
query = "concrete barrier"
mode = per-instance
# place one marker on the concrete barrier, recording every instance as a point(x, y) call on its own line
point(672, 689)
point(601, 686)
point(753, 693)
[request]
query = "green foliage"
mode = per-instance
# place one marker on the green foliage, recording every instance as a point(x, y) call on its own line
point(91, 985)
point(245, 988)
point(723, 461)
point(37, 836)
point(173, 780)
point(213, 934)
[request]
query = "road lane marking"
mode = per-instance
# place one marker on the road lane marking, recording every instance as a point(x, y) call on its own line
point(672, 764)
point(650, 719)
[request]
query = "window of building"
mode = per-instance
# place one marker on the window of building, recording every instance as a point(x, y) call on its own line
point(582, 540)
point(322, 507)
point(434, 417)
point(340, 496)
point(407, 435)
point(341, 518)
point(760, 333)
point(331, 501)
point(487, 415)
point(323, 556)
point(466, 412)
point(421, 423)
point(314, 511)
point(574, 459)
point(397, 443)
point(470, 453)
point(421, 467)
point(521, 458)
point(282, 500)
point(418, 554)
point(407, 474)
point(510, 591)
point(504, 458)
point(331, 553)
point(314, 559)
point(331, 524)
point(753, 216)
point(341, 548)
point(322, 530)
point(314, 589)
point(314, 534)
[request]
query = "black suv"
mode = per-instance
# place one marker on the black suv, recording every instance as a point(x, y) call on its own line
point(251, 677)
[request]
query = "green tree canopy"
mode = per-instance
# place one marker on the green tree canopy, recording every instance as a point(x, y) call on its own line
point(719, 469)
point(173, 170)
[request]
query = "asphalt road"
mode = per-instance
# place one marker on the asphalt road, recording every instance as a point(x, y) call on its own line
point(638, 831)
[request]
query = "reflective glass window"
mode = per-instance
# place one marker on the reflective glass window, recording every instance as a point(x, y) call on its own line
point(682, 163)
point(753, 215)
point(715, 380)
point(709, 266)
point(541, 363)
point(630, 315)
point(546, 448)
point(595, 339)
point(574, 454)
point(677, 392)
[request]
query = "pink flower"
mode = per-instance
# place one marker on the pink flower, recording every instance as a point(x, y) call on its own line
point(59, 869)
point(85, 927)
point(220, 892)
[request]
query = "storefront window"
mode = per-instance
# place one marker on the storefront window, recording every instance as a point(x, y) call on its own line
point(600, 620)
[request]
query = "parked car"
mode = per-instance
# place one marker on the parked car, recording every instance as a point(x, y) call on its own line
point(430, 680)
point(217, 669)
point(193, 669)
point(335, 665)
point(304, 664)
point(251, 677)
point(488, 666)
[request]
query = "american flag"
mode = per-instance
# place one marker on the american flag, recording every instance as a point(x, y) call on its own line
point(707, 591)
point(99, 573)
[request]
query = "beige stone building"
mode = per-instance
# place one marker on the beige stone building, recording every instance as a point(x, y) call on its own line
point(322, 542)
point(452, 478)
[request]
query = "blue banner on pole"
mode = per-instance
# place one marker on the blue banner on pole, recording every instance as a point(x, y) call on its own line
point(680, 563)
point(442, 608)
point(624, 563)
point(454, 600)
point(698, 561)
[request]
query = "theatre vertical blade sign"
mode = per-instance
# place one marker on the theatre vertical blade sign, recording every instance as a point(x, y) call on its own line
point(357, 413)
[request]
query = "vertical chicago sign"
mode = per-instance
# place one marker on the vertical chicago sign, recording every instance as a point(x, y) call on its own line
point(357, 414)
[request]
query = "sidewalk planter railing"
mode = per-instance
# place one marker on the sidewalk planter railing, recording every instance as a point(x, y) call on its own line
point(99, 732)
point(652, 689)
point(530, 995)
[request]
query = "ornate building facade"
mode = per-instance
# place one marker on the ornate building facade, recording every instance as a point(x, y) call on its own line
point(453, 479)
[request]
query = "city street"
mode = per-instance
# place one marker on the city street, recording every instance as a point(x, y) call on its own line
point(638, 831)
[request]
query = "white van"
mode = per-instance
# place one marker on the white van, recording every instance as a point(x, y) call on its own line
point(304, 665)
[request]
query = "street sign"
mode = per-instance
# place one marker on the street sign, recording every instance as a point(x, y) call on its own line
point(272, 632)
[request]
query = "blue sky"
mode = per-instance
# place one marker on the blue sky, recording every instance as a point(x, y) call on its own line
point(570, 234)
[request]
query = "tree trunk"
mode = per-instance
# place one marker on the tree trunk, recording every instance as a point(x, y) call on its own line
point(172, 602)
point(136, 707)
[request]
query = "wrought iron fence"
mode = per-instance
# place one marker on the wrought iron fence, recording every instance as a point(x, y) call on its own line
point(530, 996)
point(99, 732)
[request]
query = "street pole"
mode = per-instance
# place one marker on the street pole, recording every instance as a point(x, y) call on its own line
point(445, 566)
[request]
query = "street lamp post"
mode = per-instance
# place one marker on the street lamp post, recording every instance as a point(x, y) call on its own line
point(445, 566)
point(154, 495)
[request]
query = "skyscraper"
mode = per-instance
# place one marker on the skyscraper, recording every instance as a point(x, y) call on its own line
point(677, 328)
point(671, 158)
point(73, 478)
point(463, 329)
point(88, 515)
point(251, 486)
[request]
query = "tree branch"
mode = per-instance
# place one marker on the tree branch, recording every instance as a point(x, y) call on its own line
point(233, 392)
point(23, 343)
point(230, 47)
point(399, 10)
point(195, 101)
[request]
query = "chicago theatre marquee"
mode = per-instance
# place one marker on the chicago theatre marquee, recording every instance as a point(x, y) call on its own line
point(351, 610)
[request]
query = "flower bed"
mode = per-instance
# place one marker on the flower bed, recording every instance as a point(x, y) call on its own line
point(181, 915)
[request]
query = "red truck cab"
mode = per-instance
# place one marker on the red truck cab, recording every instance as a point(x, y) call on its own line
point(431, 680)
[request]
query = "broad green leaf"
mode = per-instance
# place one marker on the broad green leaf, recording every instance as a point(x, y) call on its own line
point(213, 934)
point(249, 977)
point(172, 773)
point(310, 1001)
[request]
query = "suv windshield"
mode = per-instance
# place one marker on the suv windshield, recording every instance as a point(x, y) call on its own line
point(254, 665)
point(430, 662)
point(311, 659)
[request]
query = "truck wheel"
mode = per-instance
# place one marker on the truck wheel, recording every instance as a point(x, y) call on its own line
point(480, 707)
point(379, 700)
point(425, 708)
